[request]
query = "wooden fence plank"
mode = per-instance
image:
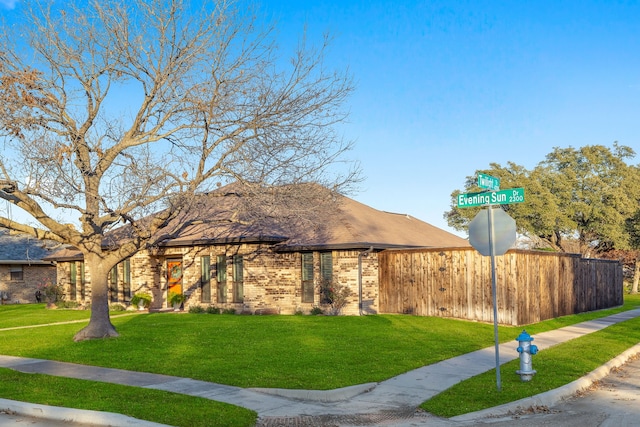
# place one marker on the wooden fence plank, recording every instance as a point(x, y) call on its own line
point(531, 285)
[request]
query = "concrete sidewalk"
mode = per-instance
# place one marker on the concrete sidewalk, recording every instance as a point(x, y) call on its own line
point(393, 399)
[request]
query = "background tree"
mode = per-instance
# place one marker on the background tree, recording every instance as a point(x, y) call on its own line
point(112, 110)
point(583, 195)
point(597, 191)
point(538, 218)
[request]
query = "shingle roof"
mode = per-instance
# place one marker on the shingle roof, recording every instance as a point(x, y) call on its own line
point(342, 224)
point(360, 226)
point(22, 248)
point(355, 222)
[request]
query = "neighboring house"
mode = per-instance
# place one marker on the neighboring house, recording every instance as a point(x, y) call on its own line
point(272, 263)
point(22, 268)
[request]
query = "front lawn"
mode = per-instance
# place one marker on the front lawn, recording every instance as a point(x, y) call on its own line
point(309, 352)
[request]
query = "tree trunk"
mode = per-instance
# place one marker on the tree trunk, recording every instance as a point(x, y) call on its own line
point(636, 277)
point(100, 324)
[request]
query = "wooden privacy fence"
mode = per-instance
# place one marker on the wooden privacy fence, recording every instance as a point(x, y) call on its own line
point(531, 285)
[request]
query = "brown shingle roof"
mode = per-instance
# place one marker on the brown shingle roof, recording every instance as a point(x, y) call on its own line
point(344, 223)
point(360, 226)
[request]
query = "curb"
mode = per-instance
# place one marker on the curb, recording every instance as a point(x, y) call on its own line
point(79, 416)
point(552, 397)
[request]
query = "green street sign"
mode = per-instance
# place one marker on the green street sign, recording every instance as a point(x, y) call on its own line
point(502, 197)
point(489, 182)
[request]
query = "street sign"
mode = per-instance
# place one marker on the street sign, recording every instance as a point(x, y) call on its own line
point(502, 197)
point(492, 232)
point(489, 182)
point(504, 232)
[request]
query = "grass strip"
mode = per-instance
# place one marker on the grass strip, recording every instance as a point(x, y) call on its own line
point(15, 315)
point(146, 404)
point(556, 366)
point(25, 315)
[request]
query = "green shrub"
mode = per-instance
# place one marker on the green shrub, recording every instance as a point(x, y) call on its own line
point(213, 310)
point(176, 299)
point(117, 307)
point(229, 311)
point(196, 309)
point(315, 311)
point(141, 298)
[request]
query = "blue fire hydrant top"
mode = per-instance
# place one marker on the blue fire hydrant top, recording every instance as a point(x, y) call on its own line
point(524, 336)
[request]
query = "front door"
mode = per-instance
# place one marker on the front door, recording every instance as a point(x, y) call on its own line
point(174, 281)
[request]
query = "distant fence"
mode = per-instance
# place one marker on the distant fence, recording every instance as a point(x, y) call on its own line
point(531, 285)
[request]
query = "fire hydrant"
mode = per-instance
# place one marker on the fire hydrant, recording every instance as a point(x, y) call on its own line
point(526, 350)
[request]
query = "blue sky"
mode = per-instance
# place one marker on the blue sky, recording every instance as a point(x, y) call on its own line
point(445, 88)
point(8, 4)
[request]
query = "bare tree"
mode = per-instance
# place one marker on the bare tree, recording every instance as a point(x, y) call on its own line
point(117, 109)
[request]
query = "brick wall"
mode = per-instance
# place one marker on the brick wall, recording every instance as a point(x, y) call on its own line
point(23, 291)
point(271, 280)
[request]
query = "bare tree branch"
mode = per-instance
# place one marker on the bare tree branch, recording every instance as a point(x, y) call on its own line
point(115, 110)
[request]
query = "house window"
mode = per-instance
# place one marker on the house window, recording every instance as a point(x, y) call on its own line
point(16, 273)
point(221, 277)
point(205, 278)
point(326, 273)
point(238, 291)
point(73, 280)
point(307, 277)
point(113, 284)
point(126, 279)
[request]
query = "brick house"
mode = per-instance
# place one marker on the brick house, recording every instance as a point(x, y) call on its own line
point(22, 267)
point(274, 264)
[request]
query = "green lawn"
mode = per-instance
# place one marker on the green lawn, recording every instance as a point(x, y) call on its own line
point(312, 352)
point(12, 316)
point(153, 405)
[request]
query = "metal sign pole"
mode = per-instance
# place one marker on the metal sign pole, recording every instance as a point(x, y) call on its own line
point(507, 234)
point(494, 296)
